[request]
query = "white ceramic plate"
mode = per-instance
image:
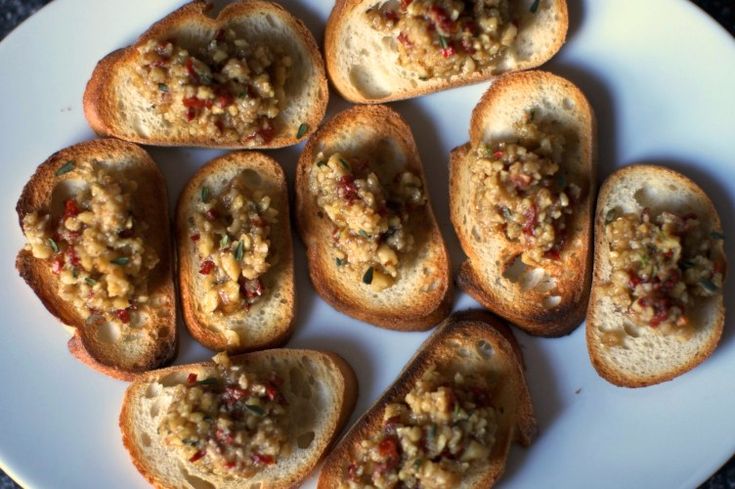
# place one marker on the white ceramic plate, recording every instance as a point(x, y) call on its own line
point(660, 75)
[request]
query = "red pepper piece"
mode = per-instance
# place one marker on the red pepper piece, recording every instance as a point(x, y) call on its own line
point(448, 51)
point(57, 264)
point(347, 189)
point(262, 459)
point(404, 39)
point(531, 216)
point(123, 315)
point(189, 63)
point(191, 378)
point(206, 267)
point(223, 437)
point(71, 209)
point(211, 215)
point(195, 237)
point(388, 449)
point(197, 456)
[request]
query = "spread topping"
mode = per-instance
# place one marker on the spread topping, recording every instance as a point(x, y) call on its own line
point(229, 88)
point(232, 421)
point(441, 38)
point(369, 218)
point(231, 232)
point(444, 426)
point(524, 193)
point(96, 245)
point(661, 265)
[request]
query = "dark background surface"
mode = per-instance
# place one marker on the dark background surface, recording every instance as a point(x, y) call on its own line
point(12, 12)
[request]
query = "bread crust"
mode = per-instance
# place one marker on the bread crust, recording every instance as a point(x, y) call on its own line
point(338, 72)
point(100, 101)
point(642, 176)
point(342, 381)
point(482, 274)
point(84, 344)
point(414, 311)
point(517, 423)
point(203, 327)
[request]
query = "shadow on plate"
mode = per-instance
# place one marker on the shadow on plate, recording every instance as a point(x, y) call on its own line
point(543, 384)
point(436, 167)
point(603, 105)
point(352, 351)
point(576, 17)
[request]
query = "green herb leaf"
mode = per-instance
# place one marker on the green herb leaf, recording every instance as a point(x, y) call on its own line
point(443, 42)
point(90, 281)
point(321, 163)
point(303, 129)
point(209, 381)
point(239, 250)
point(340, 262)
point(561, 180)
point(75, 272)
point(716, 235)
point(255, 409)
point(687, 264)
point(121, 260)
point(709, 285)
point(534, 6)
point(364, 234)
point(163, 87)
point(224, 242)
point(191, 442)
point(417, 464)
point(53, 245)
point(66, 168)
point(345, 164)
point(205, 194)
point(367, 278)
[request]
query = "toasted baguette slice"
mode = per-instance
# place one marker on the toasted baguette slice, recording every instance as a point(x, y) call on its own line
point(363, 64)
point(643, 355)
point(422, 295)
point(112, 348)
point(269, 321)
point(469, 342)
point(548, 301)
point(320, 390)
point(115, 104)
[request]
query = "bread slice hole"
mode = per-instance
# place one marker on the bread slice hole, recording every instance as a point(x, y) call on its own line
point(631, 329)
point(145, 440)
point(153, 390)
point(155, 409)
point(484, 349)
point(529, 278)
point(298, 383)
point(194, 481)
point(362, 78)
point(305, 439)
point(108, 332)
point(252, 178)
point(463, 352)
point(173, 379)
point(255, 485)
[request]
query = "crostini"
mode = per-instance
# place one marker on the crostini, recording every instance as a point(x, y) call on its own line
point(656, 307)
point(448, 420)
point(521, 196)
point(251, 78)
point(235, 254)
point(98, 254)
point(263, 419)
point(374, 248)
point(377, 50)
